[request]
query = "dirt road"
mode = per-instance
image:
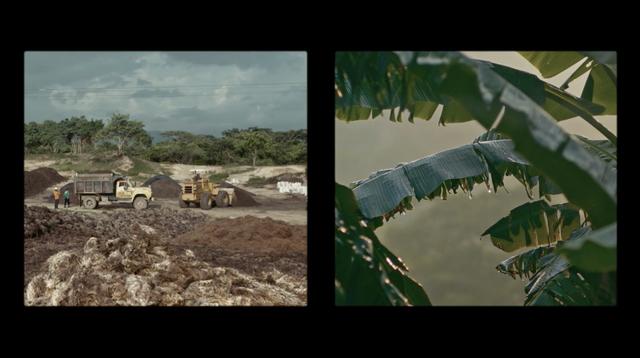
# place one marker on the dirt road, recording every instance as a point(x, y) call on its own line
point(286, 207)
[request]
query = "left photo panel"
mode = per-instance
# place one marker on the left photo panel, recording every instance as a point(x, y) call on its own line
point(165, 178)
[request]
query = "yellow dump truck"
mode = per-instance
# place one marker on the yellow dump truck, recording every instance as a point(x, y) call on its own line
point(92, 189)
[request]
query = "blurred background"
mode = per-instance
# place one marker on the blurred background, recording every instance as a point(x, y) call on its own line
point(439, 240)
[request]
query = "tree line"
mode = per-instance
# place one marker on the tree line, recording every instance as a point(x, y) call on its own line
point(123, 136)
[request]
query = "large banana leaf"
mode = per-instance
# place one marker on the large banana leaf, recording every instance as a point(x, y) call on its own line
point(385, 83)
point(601, 89)
point(524, 264)
point(551, 63)
point(388, 191)
point(439, 174)
point(606, 150)
point(367, 273)
point(586, 180)
point(601, 86)
point(533, 224)
point(555, 281)
point(593, 252)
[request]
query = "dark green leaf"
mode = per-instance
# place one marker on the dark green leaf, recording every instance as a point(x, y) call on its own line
point(525, 264)
point(601, 89)
point(594, 252)
point(367, 273)
point(551, 63)
point(533, 224)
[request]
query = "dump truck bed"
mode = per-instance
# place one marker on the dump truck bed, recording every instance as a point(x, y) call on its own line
point(101, 183)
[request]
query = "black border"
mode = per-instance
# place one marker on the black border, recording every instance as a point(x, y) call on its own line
point(321, 139)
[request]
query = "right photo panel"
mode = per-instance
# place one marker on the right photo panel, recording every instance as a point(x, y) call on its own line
point(476, 178)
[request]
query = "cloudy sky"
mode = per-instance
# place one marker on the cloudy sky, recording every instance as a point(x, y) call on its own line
point(202, 92)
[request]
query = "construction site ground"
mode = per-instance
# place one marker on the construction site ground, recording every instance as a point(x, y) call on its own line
point(263, 247)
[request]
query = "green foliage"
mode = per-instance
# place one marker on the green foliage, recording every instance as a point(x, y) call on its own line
point(122, 135)
point(553, 280)
point(218, 177)
point(515, 105)
point(485, 90)
point(140, 166)
point(73, 134)
point(124, 132)
point(533, 224)
point(367, 273)
point(595, 251)
point(255, 181)
point(253, 143)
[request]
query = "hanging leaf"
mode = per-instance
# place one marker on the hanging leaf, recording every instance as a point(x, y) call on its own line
point(438, 174)
point(534, 224)
point(606, 150)
point(551, 63)
point(375, 81)
point(556, 283)
point(601, 89)
point(594, 252)
point(525, 264)
point(367, 273)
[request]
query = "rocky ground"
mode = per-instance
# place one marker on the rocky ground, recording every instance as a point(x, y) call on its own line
point(161, 256)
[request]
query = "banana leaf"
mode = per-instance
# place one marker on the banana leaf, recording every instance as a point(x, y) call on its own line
point(367, 273)
point(533, 224)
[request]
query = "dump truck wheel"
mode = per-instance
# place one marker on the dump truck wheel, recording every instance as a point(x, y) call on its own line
point(140, 203)
point(222, 200)
point(90, 203)
point(182, 203)
point(205, 201)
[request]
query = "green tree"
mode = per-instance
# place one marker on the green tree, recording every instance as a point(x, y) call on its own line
point(573, 260)
point(253, 143)
point(125, 132)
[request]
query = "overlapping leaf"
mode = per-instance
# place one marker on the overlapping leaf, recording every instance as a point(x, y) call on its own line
point(606, 150)
point(555, 282)
point(551, 63)
point(367, 273)
point(586, 180)
point(601, 86)
point(595, 251)
point(369, 82)
point(533, 224)
point(525, 264)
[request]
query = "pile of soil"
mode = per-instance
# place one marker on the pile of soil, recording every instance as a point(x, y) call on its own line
point(250, 244)
point(143, 270)
point(35, 181)
point(242, 197)
point(163, 186)
point(48, 231)
point(290, 177)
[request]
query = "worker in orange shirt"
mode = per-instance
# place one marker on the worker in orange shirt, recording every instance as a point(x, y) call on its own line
point(56, 197)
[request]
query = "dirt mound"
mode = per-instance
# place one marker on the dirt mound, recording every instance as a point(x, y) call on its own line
point(242, 197)
point(290, 177)
point(163, 186)
point(250, 244)
point(37, 180)
point(48, 231)
point(142, 270)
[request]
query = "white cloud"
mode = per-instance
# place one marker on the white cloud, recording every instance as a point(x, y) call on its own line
point(217, 94)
